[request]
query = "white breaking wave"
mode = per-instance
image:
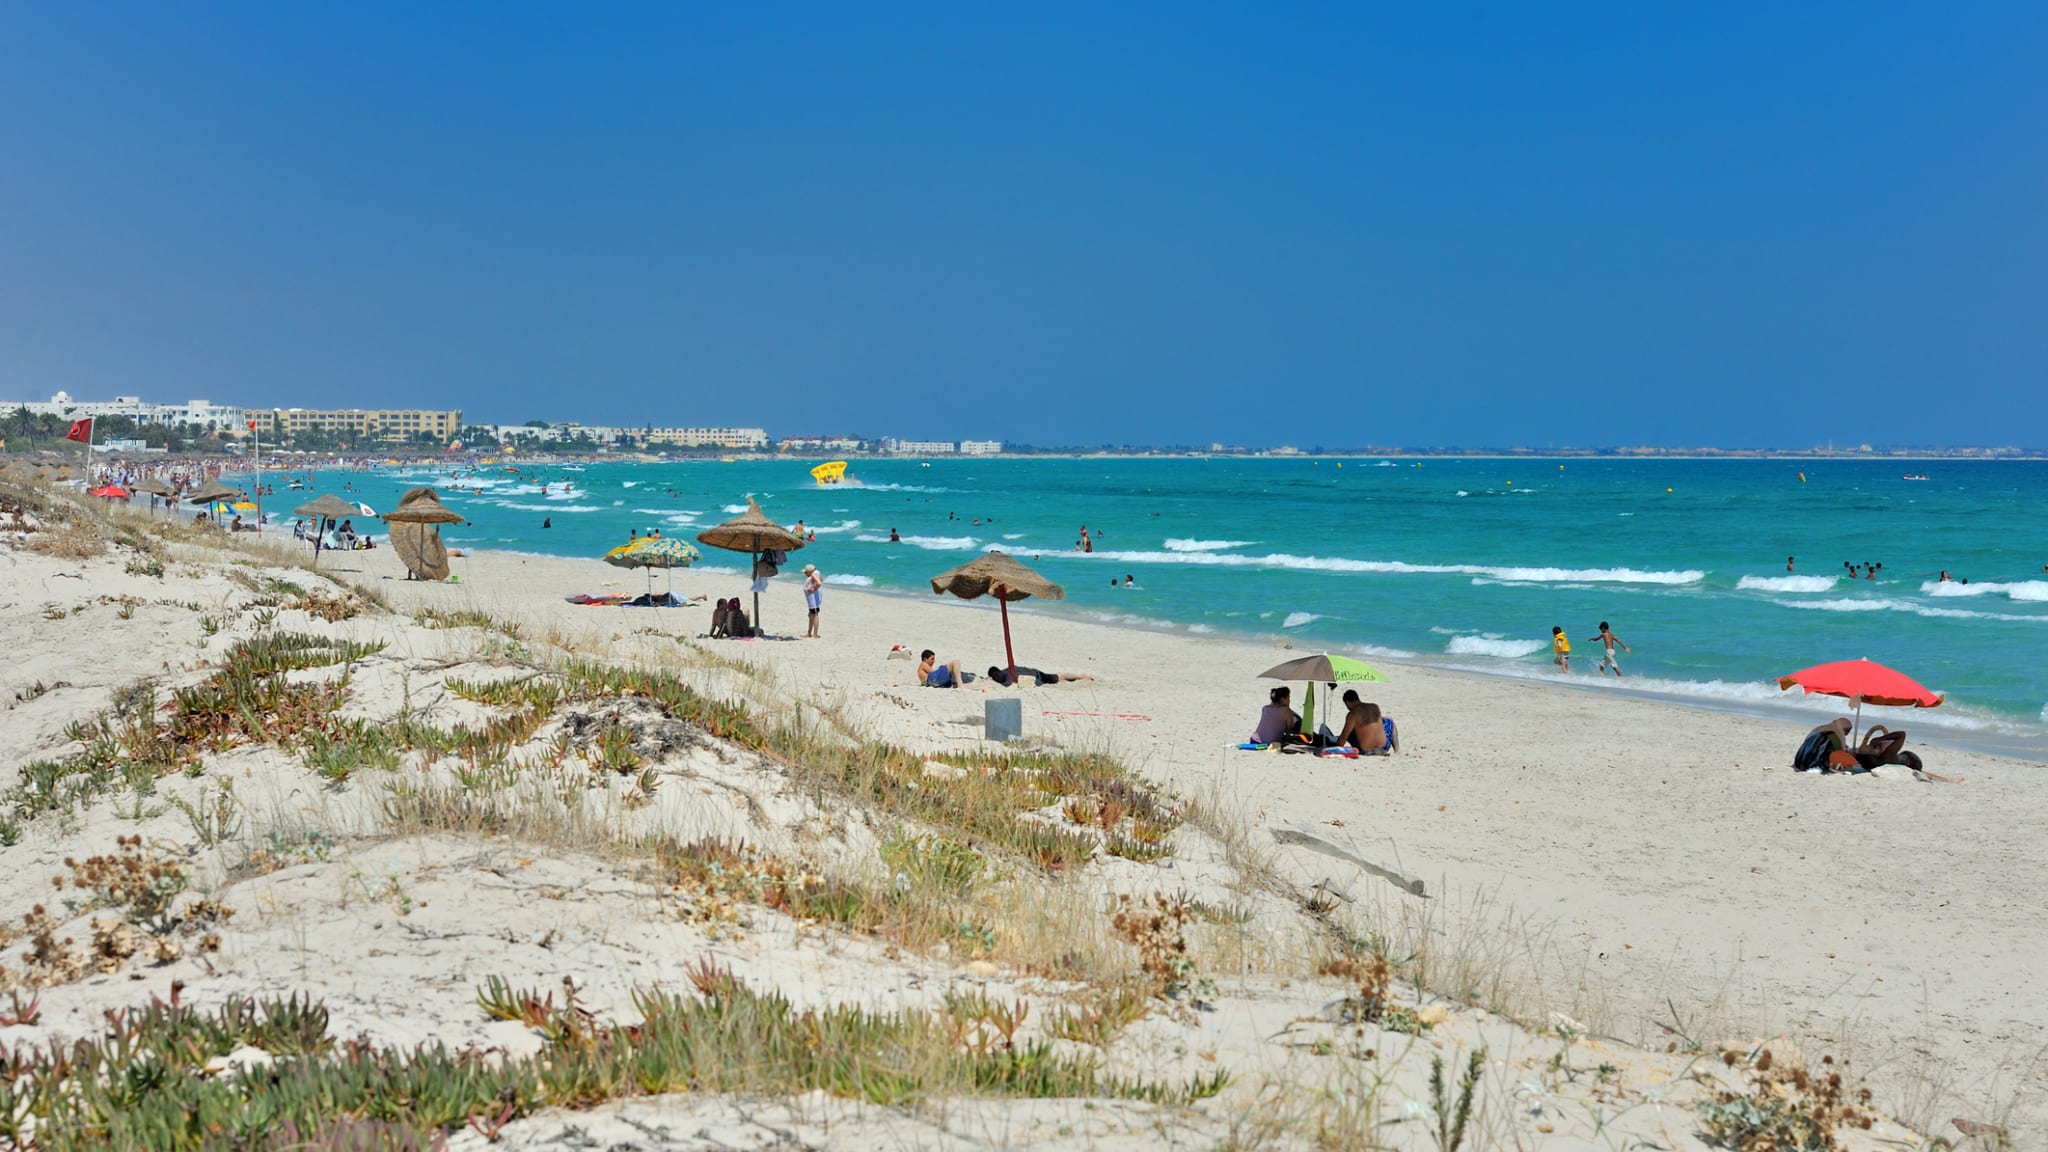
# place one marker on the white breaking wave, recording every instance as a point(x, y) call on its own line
point(2026, 591)
point(851, 581)
point(1297, 619)
point(1845, 605)
point(849, 526)
point(1202, 629)
point(1786, 583)
point(548, 507)
point(934, 543)
point(630, 484)
point(1339, 564)
point(733, 509)
point(902, 488)
point(1013, 535)
point(1203, 545)
point(1484, 646)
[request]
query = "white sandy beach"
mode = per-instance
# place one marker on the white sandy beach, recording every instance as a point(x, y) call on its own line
point(1652, 850)
point(1598, 862)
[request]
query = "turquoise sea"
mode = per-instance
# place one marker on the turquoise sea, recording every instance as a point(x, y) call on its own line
point(1458, 562)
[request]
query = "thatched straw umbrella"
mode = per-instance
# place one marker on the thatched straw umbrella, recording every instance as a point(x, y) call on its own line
point(206, 494)
point(326, 508)
point(751, 532)
point(995, 574)
point(153, 488)
point(414, 534)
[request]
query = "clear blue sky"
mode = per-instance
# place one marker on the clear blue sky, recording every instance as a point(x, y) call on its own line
point(1423, 224)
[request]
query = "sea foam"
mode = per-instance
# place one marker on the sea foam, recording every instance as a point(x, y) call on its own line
point(1341, 564)
point(1485, 646)
point(1786, 583)
point(1177, 545)
point(932, 543)
point(2025, 591)
point(1297, 619)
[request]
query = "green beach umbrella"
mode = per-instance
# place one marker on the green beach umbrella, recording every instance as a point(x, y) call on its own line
point(1327, 669)
point(651, 552)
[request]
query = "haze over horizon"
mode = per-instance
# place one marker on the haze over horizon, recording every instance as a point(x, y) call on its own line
point(1604, 225)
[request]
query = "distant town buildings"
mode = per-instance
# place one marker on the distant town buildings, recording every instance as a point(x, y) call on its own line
point(735, 438)
point(727, 439)
point(833, 445)
point(980, 447)
point(918, 447)
point(388, 425)
point(195, 413)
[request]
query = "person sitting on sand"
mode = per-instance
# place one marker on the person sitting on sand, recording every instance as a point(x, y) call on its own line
point(721, 620)
point(736, 622)
point(1002, 675)
point(1826, 741)
point(933, 674)
point(1277, 718)
point(1366, 728)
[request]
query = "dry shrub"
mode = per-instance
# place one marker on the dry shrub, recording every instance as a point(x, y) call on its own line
point(1374, 975)
point(72, 540)
point(1787, 1107)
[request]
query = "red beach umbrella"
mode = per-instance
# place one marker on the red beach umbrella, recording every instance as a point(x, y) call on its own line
point(112, 492)
point(1864, 682)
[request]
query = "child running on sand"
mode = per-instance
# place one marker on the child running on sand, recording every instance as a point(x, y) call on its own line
point(1561, 645)
point(1607, 661)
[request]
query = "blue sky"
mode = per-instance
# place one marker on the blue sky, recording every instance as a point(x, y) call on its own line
point(1415, 224)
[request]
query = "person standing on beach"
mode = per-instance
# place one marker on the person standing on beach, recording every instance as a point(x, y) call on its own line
point(1607, 661)
point(814, 595)
point(1561, 648)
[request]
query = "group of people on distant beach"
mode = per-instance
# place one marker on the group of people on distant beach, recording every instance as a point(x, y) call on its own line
point(1561, 650)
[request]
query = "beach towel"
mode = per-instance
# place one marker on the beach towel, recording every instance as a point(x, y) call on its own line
point(607, 600)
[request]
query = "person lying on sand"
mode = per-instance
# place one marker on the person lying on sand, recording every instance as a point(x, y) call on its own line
point(1882, 746)
point(933, 674)
point(1002, 676)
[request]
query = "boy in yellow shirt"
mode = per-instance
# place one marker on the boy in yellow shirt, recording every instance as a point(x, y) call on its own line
point(1562, 646)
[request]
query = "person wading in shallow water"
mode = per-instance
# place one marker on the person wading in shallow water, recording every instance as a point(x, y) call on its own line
point(1607, 661)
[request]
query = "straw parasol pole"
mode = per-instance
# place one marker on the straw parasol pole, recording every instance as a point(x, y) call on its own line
point(422, 508)
point(154, 488)
point(751, 532)
point(996, 574)
point(326, 508)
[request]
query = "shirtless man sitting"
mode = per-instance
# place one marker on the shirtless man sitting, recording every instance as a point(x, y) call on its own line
point(933, 674)
point(1365, 726)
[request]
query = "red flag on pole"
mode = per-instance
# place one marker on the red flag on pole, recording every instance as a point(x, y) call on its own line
point(252, 425)
point(81, 431)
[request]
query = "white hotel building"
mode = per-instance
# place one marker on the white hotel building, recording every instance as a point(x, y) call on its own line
point(200, 413)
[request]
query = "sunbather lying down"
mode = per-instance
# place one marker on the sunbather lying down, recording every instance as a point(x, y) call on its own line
point(1881, 745)
point(1002, 675)
point(1827, 749)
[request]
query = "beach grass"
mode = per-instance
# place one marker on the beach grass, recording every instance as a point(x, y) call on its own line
point(152, 1079)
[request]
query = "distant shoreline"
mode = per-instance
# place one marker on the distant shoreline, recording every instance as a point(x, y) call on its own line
point(277, 458)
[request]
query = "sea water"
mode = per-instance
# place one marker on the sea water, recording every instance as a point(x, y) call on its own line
point(1466, 563)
